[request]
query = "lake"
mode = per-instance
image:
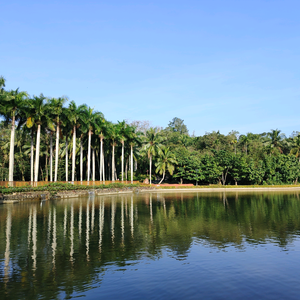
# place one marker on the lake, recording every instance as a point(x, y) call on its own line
point(159, 245)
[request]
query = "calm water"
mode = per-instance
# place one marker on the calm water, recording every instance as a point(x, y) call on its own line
point(152, 246)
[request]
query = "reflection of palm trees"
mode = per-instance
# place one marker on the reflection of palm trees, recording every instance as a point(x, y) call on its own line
point(49, 228)
point(93, 214)
point(87, 238)
point(34, 238)
point(29, 227)
point(80, 219)
point(72, 233)
point(131, 216)
point(151, 214)
point(65, 221)
point(101, 222)
point(54, 238)
point(7, 248)
point(113, 212)
point(122, 220)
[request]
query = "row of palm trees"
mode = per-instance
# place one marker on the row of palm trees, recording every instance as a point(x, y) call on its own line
point(77, 123)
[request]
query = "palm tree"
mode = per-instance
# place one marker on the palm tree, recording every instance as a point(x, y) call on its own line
point(244, 139)
point(165, 162)
point(89, 118)
point(12, 109)
point(74, 117)
point(101, 131)
point(40, 117)
point(296, 146)
point(114, 134)
point(153, 146)
point(56, 105)
point(133, 139)
point(275, 139)
point(125, 132)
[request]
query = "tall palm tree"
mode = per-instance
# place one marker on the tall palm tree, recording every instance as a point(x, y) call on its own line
point(12, 109)
point(153, 146)
point(296, 146)
point(244, 139)
point(133, 139)
point(40, 117)
point(275, 139)
point(74, 117)
point(89, 118)
point(56, 105)
point(101, 131)
point(165, 162)
point(114, 134)
point(125, 131)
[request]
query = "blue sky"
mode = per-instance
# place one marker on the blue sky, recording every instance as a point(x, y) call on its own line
point(218, 65)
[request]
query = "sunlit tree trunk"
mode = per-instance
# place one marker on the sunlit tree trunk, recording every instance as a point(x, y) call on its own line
point(163, 177)
point(103, 167)
point(67, 160)
point(122, 171)
point(81, 160)
point(31, 156)
point(56, 152)
point(37, 153)
point(51, 157)
point(94, 165)
point(113, 164)
point(150, 165)
point(74, 153)
point(11, 150)
point(131, 163)
point(89, 156)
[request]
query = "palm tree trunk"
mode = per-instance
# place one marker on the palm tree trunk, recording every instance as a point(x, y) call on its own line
point(113, 163)
point(131, 163)
point(89, 156)
point(31, 157)
point(101, 167)
point(94, 165)
point(67, 162)
point(11, 150)
point(81, 160)
point(74, 153)
point(51, 157)
point(126, 169)
point(122, 161)
point(46, 167)
point(150, 163)
point(56, 152)
point(163, 177)
point(37, 153)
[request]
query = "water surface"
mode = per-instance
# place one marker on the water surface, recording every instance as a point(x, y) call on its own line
point(152, 246)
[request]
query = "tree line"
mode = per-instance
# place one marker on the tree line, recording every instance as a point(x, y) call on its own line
point(38, 133)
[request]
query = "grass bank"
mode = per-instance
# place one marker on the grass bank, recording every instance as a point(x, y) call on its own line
point(58, 187)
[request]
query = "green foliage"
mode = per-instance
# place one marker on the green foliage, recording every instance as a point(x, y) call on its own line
point(56, 187)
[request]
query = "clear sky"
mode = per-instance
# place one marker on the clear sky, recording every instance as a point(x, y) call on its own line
point(218, 64)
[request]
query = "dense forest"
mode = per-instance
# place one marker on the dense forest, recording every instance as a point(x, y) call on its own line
point(53, 139)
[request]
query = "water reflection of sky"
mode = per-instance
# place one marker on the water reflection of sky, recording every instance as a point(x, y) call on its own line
point(151, 246)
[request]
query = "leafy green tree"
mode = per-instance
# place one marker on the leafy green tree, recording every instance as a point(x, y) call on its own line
point(12, 109)
point(296, 146)
point(56, 108)
point(165, 162)
point(74, 114)
point(152, 146)
point(275, 140)
point(239, 170)
point(177, 125)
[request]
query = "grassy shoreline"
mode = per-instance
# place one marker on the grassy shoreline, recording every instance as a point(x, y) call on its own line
point(59, 187)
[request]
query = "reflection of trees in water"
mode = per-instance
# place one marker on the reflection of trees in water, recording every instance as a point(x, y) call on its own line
point(57, 243)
